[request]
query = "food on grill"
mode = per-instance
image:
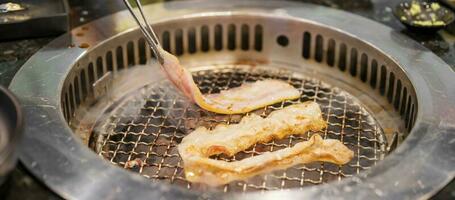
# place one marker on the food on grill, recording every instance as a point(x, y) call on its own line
point(248, 97)
point(196, 148)
point(134, 163)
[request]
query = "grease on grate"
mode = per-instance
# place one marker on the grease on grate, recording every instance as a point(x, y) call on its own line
point(160, 119)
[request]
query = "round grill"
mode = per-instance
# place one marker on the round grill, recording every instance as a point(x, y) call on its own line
point(151, 122)
point(90, 111)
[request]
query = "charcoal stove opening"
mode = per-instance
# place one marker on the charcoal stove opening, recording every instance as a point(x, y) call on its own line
point(365, 97)
point(152, 132)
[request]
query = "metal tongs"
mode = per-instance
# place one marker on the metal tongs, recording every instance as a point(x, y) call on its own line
point(147, 30)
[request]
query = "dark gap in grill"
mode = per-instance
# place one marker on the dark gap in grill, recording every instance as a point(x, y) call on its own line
point(83, 84)
point(142, 49)
point(282, 40)
point(408, 111)
point(245, 32)
point(65, 111)
point(91, 74)
point(166, 41)
point(342, 57)
point(319, 51)
point(67, 105)
point(192, 40)
point(178, 38)
point(411, 117)
point(258, 38)
point(382, 81)
point(120, 60)
point(130, 54)
point(109, 61)
point(396, 102)
point(99, 67)
point(231, 37)
point(414, 114)
point(403, 100)
point(331, 53)
point(363, 67)
point(374, 73)
point(71, 98)
point(218, 37)
point(391, 87)
point(353, 62)
point(205, 41)
point(77, 90)
point(306, 45)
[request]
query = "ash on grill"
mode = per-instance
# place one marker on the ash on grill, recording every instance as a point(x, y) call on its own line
point(143, 131)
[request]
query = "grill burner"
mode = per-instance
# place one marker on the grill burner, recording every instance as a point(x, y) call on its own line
point(149, 125)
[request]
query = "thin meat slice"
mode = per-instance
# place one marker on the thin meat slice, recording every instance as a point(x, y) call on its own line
point(217, 172)
point(198, 146)
point(247, 97)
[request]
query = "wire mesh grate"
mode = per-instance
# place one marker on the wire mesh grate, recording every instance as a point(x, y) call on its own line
point(147, 127)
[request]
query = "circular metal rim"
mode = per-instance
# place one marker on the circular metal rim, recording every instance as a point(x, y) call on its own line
point(57, 157)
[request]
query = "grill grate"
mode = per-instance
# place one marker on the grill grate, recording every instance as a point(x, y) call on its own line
point(152, 121)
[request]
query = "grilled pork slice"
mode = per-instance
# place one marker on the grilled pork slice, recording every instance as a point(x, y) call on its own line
point(247, 97)
point(196, 148)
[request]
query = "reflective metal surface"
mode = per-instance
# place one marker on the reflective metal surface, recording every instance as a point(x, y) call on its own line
point(418, 167)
